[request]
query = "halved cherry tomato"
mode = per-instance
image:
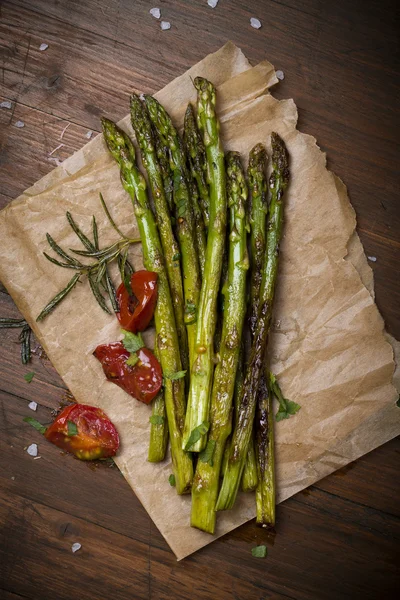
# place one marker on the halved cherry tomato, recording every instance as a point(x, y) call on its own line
point(143, 381)
point(136, 312)
point(84, 430)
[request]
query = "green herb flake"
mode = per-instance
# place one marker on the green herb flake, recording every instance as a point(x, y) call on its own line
point(259, 551)
point(157, 419)
point(132, 341)
point(286, 407)
point(172, 480)
point(206, 455)
point(29, 376)
point(41, 428)
point(176, 256)
point(72, 429)
point(132, 360)
point(174, 376)
point(196, 434)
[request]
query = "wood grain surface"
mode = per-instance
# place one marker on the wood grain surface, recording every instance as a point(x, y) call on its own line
point(339, 538)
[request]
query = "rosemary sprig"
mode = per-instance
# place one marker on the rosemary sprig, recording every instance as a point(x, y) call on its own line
point(97, 272)
point(24, 337)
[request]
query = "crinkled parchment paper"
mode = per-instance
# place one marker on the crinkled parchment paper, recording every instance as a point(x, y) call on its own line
point(328, 345)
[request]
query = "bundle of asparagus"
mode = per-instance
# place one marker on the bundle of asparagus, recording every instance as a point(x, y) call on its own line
point(199, 215)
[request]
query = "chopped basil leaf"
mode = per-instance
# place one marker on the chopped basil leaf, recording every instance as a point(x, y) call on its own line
point(156, 419)
point(196, 434)
point(206, 455)
point(174, 376)
point(41, 428)
point(132, 360)
point(172, 481)
point(72, 429)
point(259, 551)
point(132, 341)
point(29, 376)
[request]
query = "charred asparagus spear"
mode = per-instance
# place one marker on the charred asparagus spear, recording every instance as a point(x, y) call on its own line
point(257, 178)
point(197, 414)
point(197, 160)
point(159, 425)
point(206, 480)
point(134, 183)
point(185, 225)
point(143, 129)
point(265, 492)
point(241, 436)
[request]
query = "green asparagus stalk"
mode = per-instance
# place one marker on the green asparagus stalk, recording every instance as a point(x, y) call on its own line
point(250, 476)
point(159, 425)
point(200, 230)
point(206, 479)
point(143, 129)
point(134, 183)
point(167, 177)
point(197, 414)
point(241, 436)
point(197, 160)
point(257, 178)
point(265, 492)
point(185, 224)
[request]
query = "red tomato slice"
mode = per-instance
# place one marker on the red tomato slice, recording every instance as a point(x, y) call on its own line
point(143, 381)
point(95, 437)
point(136, 312)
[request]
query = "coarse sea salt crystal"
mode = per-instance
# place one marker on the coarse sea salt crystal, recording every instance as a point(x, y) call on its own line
point(6, 104)
point(280, 75)
point(43, 47)
point(165, 25)
point(212, 3)
point(155, 12)
point(32, 405)
point(89, 134)
point(19, 124)
point(75, 547)
point(372, 258)
point(32, 450)
point(255, 23)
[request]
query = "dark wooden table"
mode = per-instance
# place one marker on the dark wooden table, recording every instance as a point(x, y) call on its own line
point(335, 540)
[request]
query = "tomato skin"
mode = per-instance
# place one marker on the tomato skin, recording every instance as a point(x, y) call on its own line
point(135, 313)
point(143, 381)
point(97, 437)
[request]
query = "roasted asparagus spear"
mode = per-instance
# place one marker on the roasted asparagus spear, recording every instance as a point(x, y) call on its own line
point(122, 149)
point(197, 414)
point(206, 480)
point(241, 436)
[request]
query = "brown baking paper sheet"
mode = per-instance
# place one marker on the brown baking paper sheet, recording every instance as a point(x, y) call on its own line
point(327, 345)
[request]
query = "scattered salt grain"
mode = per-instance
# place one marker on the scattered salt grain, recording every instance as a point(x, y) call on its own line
point(372, 258)
point(32, 405)
point(64, 130)
point(19, 124)
point(55, 149)
point(165, 25)
point(32, 450)
point(212, 3)
point(37, 457)
point(75, 547)
point(6, 104)
point(155, 12)
point(255, 23)
point(43, 47)
point(89, 134)
point(13, 478)
point(280, 75)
